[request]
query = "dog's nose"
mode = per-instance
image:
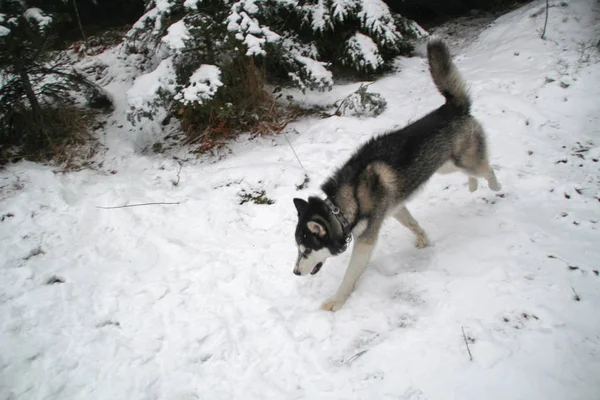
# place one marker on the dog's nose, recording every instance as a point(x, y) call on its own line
point(296, 272)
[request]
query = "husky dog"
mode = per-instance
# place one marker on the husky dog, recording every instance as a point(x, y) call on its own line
point(384, 172)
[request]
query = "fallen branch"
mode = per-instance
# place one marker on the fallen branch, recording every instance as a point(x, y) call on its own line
point(354, 357)
point(176, 182)
point(571, 267)
point(138, 205)
point(294, 151)
point(576, 297)
point(466, 343)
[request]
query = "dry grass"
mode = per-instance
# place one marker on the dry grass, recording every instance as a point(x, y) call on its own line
point(59, 135)
point(242, 107)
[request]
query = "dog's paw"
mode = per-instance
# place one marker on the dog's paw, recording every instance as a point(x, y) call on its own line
point(421, 242)
point(495, 185)
point(333, 303)
point(473, 184)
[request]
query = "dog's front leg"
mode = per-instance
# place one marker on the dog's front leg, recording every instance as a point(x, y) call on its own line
point(361, 254)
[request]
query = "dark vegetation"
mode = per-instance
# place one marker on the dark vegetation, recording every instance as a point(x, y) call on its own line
point(47, 107)
point(431, 13)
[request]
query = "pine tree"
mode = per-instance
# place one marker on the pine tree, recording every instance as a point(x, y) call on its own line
point(213, 56)
point(36, 81)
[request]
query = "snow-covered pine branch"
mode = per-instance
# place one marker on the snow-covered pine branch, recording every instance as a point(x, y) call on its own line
point(362, 53)
point(194, 49)
point(376, 19)
point(246, 28)
point(203, 85)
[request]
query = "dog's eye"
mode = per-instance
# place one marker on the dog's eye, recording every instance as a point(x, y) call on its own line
point(305, 253)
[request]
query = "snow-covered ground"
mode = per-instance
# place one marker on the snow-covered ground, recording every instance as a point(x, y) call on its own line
point(197, 300)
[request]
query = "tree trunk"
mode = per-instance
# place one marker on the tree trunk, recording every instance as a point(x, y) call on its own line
point(38, 118)
point(33, 101)
point(80, 26)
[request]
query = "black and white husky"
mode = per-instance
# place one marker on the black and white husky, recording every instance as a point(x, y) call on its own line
point(384, 172)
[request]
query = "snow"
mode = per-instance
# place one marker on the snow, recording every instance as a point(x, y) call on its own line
point(248, 30)
point(363, 51)
point(312, 72)
point(191, 4)
point(143, 91)
point(197, 300)
point(342, 8)
point(4, 31)
point(163, 6)
point(254, 45)
point(418, 30)
point(361, 103)
point(140, 25)
point(161, 9)
point(250, 7)
point(320, 17)
point(38, 16)
point(316, 70)
point(377, 19)
point(176, 36)
point(294, 47)
point(204, 84)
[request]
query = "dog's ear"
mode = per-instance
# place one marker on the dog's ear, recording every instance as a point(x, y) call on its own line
point(317, 228)
point(300, 205)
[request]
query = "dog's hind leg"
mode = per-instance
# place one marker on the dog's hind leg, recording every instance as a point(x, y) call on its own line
point(404, 216)
point(473, 160)
point(490, 177)
point(473, 184)
point(484, 170)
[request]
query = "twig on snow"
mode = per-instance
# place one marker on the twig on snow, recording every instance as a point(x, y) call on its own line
point(294, 151)
point(176, 182)
point(571, 267)
point(138, 205)
point(354, 357)
point(546, 22)
point(576, 297)
point(466, 343)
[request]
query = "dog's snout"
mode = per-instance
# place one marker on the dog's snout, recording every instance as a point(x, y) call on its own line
point(297, 273)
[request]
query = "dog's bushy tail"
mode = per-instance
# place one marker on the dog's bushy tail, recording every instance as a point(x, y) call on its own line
point(446, 76)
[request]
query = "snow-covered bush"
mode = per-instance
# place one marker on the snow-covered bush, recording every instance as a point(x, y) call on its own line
point(361, 103)
point(211, 59)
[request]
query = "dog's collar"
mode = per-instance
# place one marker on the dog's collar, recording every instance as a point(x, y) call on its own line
point(337, 213)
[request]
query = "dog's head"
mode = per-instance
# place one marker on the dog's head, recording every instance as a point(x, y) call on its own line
point(318, 235)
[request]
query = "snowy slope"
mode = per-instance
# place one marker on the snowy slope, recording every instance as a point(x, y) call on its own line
point(197, 300)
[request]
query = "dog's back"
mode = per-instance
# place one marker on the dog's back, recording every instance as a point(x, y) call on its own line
point(416, 151)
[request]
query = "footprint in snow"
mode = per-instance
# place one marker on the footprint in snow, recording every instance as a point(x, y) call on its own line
point(413, 394)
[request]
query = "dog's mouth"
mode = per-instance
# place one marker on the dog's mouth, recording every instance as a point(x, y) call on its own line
point(317, 268)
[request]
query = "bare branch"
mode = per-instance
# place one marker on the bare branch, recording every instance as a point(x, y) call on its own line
point(466, 342)
point(138, 205)
point(546, 22)
point(354, 357)
point(294, 151)
point(176, 182)
point(576, 297)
